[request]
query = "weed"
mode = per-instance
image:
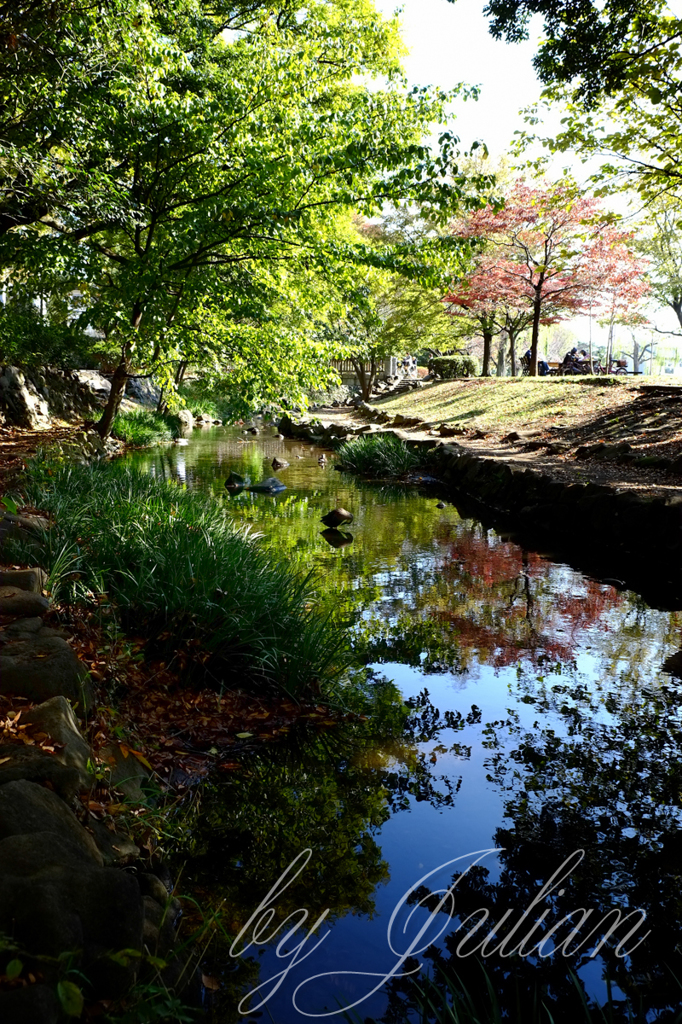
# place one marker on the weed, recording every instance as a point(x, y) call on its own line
point(144, 427)
point(381, 456)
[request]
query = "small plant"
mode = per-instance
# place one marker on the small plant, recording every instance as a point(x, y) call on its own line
point(144, 427)
point(382, 456)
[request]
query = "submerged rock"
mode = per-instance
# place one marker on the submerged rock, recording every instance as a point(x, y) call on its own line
point(235, 482)
point(271, 485)
point(337, 517)
point(279, 463)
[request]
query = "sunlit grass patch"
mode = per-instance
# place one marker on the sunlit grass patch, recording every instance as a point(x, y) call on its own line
point(144, 427)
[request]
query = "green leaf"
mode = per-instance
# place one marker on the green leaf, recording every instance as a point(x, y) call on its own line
point(9, 505)
point(71, 998)
point(14, 969)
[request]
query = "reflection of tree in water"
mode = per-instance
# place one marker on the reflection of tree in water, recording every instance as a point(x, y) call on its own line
point(610, 785)
point(330, 792)
point(490, 602)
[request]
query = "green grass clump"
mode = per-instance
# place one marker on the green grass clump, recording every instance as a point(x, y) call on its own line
point(177, 571)
point(383, 455)
point(145, 427)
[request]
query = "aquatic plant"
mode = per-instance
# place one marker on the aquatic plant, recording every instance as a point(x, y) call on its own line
point(383, 455)
point(143, 427)
point(174, 568)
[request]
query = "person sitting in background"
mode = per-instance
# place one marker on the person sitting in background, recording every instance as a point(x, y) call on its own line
point(570, 360)
point(543, 365)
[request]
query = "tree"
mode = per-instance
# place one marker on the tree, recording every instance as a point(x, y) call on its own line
point(550, 252)
point(227, 159)
point(599, 47)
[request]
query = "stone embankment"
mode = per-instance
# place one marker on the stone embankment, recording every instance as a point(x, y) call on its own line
point(66, 904)
point(629, 534)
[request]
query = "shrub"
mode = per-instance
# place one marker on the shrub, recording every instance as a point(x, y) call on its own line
point(381, 456)
point(461, 365)
point(143, 427)
point(178, 572)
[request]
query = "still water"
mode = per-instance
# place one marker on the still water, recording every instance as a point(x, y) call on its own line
point(546, 720)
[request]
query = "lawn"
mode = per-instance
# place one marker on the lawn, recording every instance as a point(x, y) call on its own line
point(514, 403)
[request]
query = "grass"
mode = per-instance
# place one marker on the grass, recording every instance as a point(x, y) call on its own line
point(380, 456)
point(199, 399)
point(175, 570)
point(513, 403)
point(143, 427)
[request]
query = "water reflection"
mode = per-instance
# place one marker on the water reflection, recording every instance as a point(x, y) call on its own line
point(543, 721)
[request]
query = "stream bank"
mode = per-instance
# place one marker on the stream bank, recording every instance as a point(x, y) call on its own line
point(628, 530)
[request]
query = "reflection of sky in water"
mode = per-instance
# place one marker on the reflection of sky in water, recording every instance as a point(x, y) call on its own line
point(544, 651)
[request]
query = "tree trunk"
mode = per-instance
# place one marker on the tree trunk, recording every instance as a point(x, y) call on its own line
point(118, 384)
point(487, 346)
point(676, 304)
point(512, 351)
point(366, 379)
point(535, 337)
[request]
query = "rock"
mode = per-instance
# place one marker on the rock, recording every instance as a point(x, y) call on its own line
point(24, 627)
point(55, 717)
point(181, 441)
point(186, 420)
point(53, 899)
point(27, 808)
point(18, 761)
point(279, 463)
point(143, 390)
point(279, 437)
point(27, 528)
point(126, 774)
point(115, 848)
point(43, 667)
point(337, 517)
point(271, 485)
point(14, 601)
point(441, 504)
point(33, 580)
point(254, 430)
point(20, 401)
point(35, 1004)
point(235, 482)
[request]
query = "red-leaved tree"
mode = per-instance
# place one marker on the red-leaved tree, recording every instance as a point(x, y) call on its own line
point(549, 252)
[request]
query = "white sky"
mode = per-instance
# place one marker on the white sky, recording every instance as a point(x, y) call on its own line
point(450, 43)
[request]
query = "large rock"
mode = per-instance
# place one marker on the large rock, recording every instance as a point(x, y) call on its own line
point(36, 1004)
point(271, 485)
point(29, 529)
point(56, 719)
point(52, 899)
point(42, 667)
point(27, 809)
point(18, 761)
point(15, 601)
point(33, 580)
point(186, 420)
point(20, 401)
point(143, 390)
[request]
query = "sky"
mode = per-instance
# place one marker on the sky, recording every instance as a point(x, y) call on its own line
point(450, 43)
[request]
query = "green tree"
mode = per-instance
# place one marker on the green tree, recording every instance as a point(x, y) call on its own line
point(224, 161)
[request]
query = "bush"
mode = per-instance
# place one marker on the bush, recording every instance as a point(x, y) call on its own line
point(176, 571)
point(461, 365)
point(381, 456)
point(144, 427)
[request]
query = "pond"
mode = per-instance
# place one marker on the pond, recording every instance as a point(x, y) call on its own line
point(544, 749)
